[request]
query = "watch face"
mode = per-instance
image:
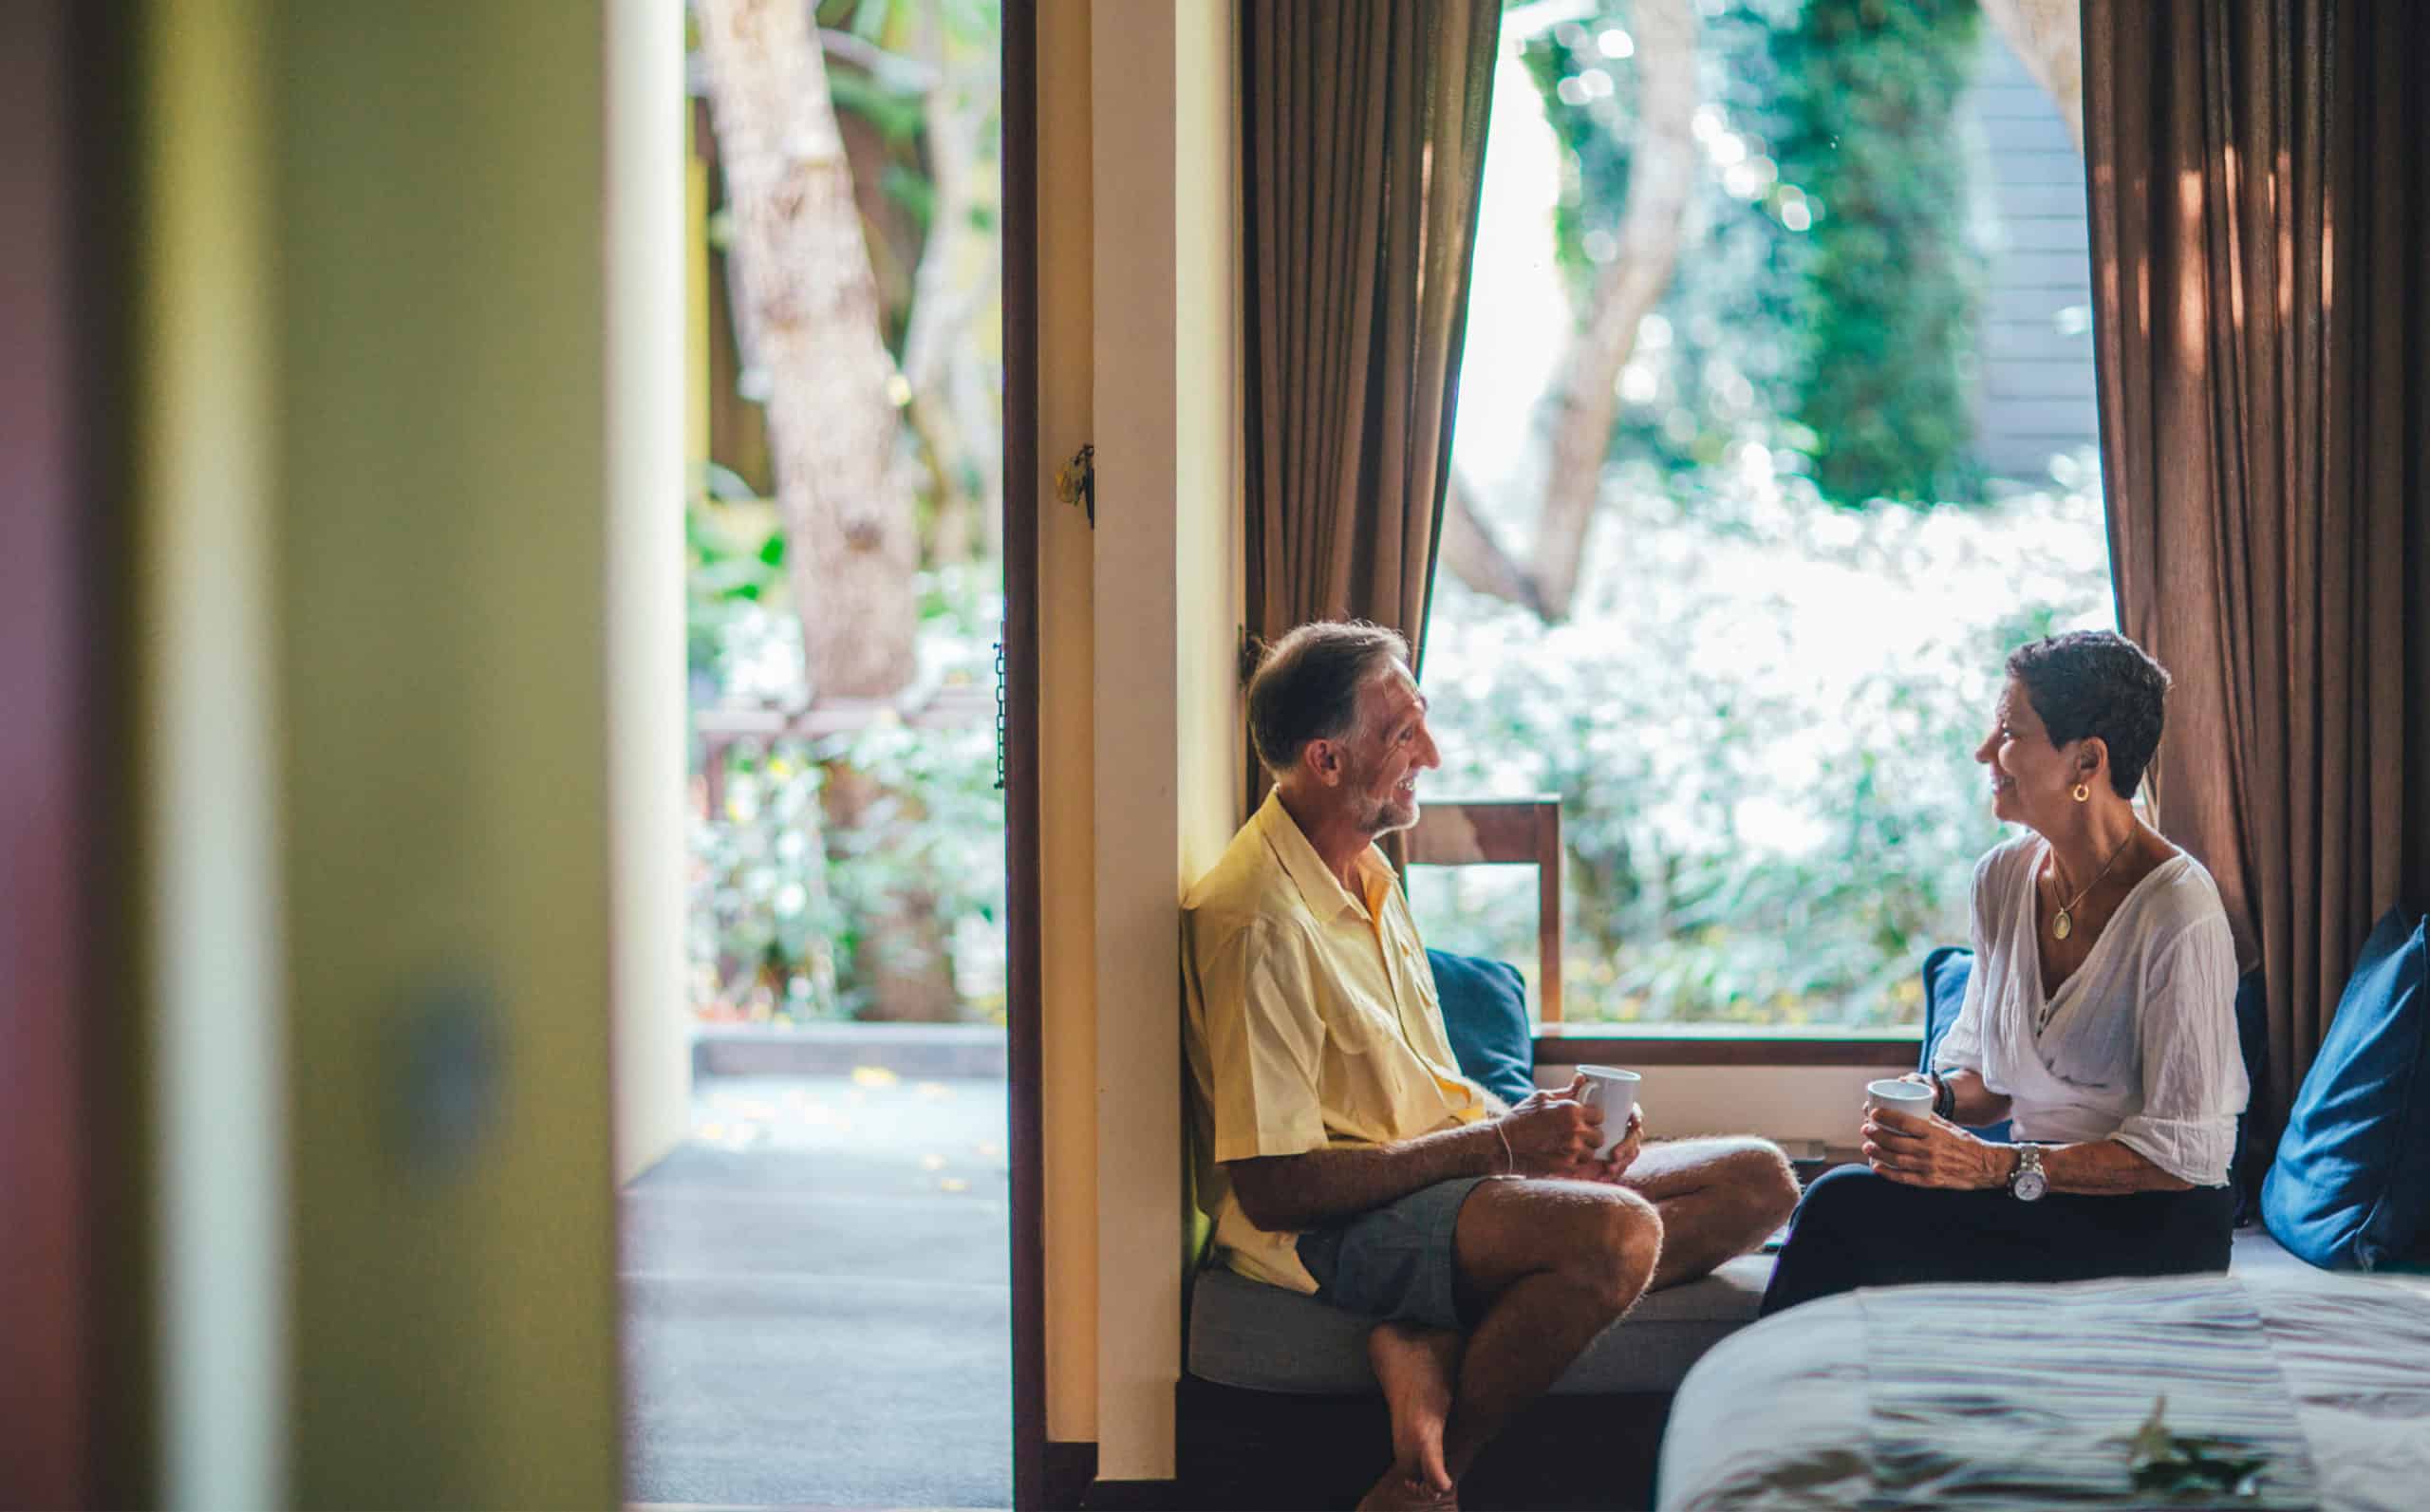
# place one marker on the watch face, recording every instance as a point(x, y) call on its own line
point(2029, 1185)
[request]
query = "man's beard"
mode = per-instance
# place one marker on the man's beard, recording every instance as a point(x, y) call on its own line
point(1383, 814)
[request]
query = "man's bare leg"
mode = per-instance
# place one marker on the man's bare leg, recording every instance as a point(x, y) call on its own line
point(1417, 1368)
point(1718, 1199)
point(1559, 1261)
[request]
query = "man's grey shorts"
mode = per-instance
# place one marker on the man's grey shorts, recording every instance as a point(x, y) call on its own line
point(1394, 1263)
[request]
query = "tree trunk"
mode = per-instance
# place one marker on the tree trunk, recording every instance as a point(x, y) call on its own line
point(1663, 176)
point(813, 314)
point(2047, 36)
point(1477, 559)
point(810, 305)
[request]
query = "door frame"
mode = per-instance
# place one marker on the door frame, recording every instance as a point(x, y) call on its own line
point(1024, 998)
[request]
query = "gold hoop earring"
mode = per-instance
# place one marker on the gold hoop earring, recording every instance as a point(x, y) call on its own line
point(2082, 794)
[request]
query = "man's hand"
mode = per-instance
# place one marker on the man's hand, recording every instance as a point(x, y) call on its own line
point(1615, 1165)
point(1552, 1133)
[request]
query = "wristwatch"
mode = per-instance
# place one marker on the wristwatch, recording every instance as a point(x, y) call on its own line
point(2026, 1184)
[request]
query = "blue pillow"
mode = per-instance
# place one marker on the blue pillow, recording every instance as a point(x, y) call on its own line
point(2352, 1184)
point(1945, 973)
point(1485, 1011)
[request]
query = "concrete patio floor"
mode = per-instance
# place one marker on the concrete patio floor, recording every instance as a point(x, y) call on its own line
point(817, 1308)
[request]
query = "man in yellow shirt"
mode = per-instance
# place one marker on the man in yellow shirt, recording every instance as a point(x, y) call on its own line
point(1340, 1150)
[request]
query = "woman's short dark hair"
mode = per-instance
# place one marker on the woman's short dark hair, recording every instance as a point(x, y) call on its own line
point(1306, 686)
point(2097, 682)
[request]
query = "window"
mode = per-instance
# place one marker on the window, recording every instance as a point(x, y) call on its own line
point(1736, 564)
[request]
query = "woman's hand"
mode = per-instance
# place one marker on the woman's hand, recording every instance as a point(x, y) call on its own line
point(1928, 1151)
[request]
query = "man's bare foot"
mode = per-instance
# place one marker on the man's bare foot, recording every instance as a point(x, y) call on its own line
point(1417, 1368)
point(1396, 1492)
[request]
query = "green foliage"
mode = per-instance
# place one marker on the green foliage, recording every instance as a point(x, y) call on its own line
point(786, 902)
point(777, 918)
point(936, 834)
point(731, 563)
point(1824, 305)
point(777, 922)
point(1889, 285)
point(895, 112)
point(1719, 340)
point(1762, 733)
point(766, 934)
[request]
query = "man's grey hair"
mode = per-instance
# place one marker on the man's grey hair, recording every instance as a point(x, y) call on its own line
point(1306, 686)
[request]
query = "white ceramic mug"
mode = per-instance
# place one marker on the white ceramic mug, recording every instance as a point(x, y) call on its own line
point(1613, 1090)
point(1912, 1097)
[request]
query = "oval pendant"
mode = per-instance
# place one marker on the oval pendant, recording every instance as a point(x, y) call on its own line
point(2061, 926)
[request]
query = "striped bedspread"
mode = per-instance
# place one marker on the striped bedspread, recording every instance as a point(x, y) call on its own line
point(2019, 1396)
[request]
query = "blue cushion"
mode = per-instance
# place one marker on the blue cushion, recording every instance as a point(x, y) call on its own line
point(2352, 1184)
point(1485, 1010)
point(1945, 973)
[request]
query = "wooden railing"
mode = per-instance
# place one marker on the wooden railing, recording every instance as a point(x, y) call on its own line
point(960, 706)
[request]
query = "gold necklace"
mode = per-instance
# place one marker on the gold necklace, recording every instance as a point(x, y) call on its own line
point(2063, 923)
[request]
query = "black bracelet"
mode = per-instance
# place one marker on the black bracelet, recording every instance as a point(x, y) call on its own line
point(1944, 1097)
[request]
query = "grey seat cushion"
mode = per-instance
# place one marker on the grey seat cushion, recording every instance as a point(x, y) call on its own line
point(1243, 1333)
point(1246, 1333)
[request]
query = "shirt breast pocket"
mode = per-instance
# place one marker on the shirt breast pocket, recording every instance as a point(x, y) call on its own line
point(1362, 1026)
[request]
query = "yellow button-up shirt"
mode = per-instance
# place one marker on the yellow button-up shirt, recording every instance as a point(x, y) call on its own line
point(1311, 1023)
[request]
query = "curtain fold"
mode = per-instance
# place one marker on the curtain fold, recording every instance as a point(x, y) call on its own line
point(1363, 127)
point(2260, 229)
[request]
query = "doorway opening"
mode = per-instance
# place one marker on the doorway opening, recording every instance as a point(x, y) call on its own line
point(817, 1306)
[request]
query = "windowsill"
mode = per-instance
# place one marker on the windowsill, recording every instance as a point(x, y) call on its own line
point(1572, 1044)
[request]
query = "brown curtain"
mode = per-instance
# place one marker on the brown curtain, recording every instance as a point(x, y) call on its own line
point(1363, 128)
point(2260, 216)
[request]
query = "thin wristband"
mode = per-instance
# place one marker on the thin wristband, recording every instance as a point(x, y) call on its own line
point(1944, 1096)
point(1505, 1149)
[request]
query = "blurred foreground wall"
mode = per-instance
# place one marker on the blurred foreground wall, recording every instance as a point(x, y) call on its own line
point(367, 618)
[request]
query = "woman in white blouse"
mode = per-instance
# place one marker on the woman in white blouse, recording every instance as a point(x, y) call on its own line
point(2100, 1018)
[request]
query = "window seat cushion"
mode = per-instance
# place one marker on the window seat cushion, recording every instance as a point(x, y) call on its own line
point(1246, 1333)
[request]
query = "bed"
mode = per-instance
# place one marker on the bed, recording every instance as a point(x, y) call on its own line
point(1942, 1397)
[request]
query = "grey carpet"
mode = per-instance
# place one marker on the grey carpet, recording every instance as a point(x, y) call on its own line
point(815, 1300)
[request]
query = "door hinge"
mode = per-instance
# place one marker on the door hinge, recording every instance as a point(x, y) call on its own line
point(1075, 481)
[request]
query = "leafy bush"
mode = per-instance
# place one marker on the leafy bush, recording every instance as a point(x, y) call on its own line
point(766, 932)
point(1762, 733)
point(782, 901)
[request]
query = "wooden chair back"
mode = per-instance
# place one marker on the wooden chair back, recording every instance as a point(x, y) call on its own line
point(1503, 832)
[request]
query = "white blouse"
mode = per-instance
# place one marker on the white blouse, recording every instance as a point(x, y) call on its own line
point(2139, 1045)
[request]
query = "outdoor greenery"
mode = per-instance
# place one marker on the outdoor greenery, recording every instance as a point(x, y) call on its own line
point(1760, 718)
point(859, 873)
point(1887, 283)
point(1796, 589)
point(1827, 308)
point(1762, 733)
point(778, 923)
